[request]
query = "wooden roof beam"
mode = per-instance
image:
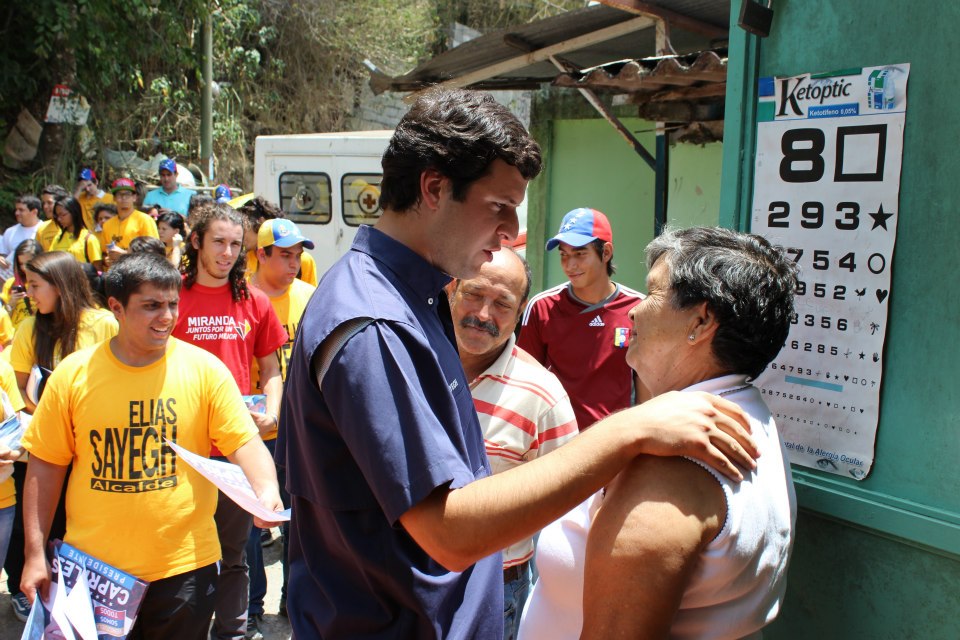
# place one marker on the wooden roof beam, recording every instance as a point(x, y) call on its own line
point(544, 54)
point(672, 17)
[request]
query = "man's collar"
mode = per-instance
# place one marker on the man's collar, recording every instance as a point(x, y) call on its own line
point(596, 305)
point(721, 384)
point(499, 366)
point(426, 281)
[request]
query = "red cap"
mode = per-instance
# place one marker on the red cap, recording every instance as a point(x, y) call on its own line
point(121, 184)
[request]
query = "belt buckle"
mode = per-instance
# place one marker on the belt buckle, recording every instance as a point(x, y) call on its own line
point(512, 573)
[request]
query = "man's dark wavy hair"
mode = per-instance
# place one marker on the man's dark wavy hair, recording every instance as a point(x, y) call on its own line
point(747, 282)
point(200, 219)
point(458, 133)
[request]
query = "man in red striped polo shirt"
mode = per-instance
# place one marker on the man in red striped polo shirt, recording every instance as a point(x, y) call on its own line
point(523, 409)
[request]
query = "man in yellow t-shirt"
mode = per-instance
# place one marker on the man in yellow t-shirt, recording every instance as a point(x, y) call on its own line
point(48, 229)
point(108, 411)
point(280, 246)
point(308, 266)
point(88, 193)
point(255, 213)
point(128, 223)
point(280, 250)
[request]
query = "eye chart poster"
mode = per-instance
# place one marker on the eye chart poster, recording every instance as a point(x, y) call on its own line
point(827, 185)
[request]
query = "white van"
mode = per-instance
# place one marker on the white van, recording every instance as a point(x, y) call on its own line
point(328, 183)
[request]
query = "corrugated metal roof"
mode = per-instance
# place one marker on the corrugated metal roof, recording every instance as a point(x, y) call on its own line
point(490, 50)
point(650, 74)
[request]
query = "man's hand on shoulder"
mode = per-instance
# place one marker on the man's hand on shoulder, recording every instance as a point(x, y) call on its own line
point(694, 424)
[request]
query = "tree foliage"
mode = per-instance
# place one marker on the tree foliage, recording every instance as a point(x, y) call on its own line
point(281, 66)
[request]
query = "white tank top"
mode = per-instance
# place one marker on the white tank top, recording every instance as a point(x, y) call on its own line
point(741, 577)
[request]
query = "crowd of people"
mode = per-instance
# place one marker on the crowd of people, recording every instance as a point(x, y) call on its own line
point(461, 459)
point(69, 305)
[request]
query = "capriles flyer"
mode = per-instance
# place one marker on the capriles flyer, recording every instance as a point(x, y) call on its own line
point(114, 596)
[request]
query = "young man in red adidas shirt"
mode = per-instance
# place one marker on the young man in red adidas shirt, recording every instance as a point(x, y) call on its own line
point(220, 314)
point(580, 330)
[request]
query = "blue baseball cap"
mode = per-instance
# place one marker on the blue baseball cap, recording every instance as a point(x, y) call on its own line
point(222, 193)
point(582, 226)
point(88, 174)
point(169, 165)
point(280, 232)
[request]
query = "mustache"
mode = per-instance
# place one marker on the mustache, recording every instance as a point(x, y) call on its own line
point(476, 323)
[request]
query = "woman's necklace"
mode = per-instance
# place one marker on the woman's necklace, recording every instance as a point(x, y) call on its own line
point(735, 389)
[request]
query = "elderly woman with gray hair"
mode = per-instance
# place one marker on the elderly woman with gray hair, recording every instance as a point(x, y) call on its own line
point(671, 549)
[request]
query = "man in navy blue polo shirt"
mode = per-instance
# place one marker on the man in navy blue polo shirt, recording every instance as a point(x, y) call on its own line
point(397, 521)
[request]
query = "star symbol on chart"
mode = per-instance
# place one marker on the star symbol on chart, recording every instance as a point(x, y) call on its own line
point(880, 218)
point(862, 355)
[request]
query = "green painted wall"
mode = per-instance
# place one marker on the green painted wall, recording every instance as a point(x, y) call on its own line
point(880, 558)
point(694, 195)
point(848, 583)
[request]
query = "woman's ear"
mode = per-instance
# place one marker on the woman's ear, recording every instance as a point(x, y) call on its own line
point(702, 324)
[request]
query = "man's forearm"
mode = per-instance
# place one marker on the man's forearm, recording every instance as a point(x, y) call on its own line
point(41, 493)
point(273, 389)
point(254, 460)
point(461, 526)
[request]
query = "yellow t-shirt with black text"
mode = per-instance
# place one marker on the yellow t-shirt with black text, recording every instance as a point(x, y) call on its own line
point(130, 501)
point(289, 309)
point(96, 325)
